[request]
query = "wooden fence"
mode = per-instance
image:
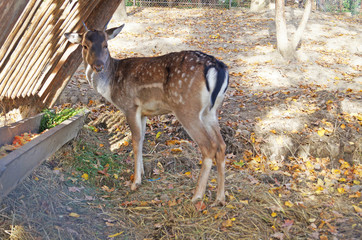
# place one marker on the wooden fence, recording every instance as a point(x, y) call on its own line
point(36, 61)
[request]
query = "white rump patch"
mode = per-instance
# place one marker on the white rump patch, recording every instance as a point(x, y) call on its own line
point(211, 78)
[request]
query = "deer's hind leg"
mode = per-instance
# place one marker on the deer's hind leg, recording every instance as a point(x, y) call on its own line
point(211, 123)
point(208, 147)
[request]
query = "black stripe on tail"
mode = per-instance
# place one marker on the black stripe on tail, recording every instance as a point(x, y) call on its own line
point(222, 73)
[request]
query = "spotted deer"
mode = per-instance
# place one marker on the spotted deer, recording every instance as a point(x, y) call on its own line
point(190, 84)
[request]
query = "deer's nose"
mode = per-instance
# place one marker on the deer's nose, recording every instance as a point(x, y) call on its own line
point(98, 66)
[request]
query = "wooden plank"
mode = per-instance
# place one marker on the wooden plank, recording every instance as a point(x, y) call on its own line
point(10, 11)
point(6, 74)
point(19, 164)
point(8, 133)
point(97, 20)
point(31, 60)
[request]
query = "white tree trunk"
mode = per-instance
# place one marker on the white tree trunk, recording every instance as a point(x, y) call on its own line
point(303, 23)
point(281, 29)
point(285, 47)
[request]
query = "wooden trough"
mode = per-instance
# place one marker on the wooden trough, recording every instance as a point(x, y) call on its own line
point(18, 164)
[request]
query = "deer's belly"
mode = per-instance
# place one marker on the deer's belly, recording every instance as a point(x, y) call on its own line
point(153, 108)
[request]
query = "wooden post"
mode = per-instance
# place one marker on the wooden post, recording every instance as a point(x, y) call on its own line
point(10, 11)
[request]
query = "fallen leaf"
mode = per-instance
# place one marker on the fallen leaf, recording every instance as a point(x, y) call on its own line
point(107, 189)
point(115, 235)
point(321, 132)
point(158, 135)
point(357, 209)
point(288, 204)
point(288, 223)
point(227, 223)
point(200, 206)
point(323, 237)
point(176, 150)
point(73, 214)
point(85, 176)
point(172, 203)
point(278, 235)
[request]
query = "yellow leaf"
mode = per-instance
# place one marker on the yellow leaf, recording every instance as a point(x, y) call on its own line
point(343, 126)
point(73, 214)
point(288, 204)
point(176, 150)
point(356, 182)
point(187, 173)
point(321, 132)
point(357, 209)
point(115, 235)
point(273, 214)
point(273, 131)
point(115, 176)
point(309, 165)
point(101, 145)
point(158, 134)
point(341, 190)
point(85, 176)
point(341, 180)
point(319, 189)
point(36, 178)
point(213, 180)
point(227, 223)
point(244, 201)
point(345, 165)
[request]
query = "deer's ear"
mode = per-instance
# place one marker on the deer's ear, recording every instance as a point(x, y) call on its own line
point(74, 37)
point(113, 32)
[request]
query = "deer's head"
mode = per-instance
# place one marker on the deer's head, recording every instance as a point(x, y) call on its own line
point(95, 48)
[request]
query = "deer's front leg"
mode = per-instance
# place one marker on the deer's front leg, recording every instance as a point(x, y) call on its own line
point(137, 124)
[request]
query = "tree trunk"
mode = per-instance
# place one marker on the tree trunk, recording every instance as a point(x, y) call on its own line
point(281, 29)
point(288, 48)
point(303, 23)
point(120, 14)
point(258, 5)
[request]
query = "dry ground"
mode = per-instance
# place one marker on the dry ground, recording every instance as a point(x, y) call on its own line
point(293, 132)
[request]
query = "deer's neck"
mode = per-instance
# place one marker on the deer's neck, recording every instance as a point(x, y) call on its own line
point(102, 81)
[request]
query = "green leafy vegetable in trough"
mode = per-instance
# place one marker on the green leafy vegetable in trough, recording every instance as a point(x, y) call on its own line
point(52, 119)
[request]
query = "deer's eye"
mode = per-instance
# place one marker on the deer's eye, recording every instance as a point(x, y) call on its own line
point(105, 46)
point(85, 47)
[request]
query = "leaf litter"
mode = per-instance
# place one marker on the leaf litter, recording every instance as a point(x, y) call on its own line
point(292, 133)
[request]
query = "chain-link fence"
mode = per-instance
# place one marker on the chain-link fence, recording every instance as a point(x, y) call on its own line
point(189, 3)
point(353, 6)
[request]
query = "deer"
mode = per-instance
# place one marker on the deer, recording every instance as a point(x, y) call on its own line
point(189, 84)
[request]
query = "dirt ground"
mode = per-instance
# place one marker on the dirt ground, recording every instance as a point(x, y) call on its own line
point(292, 129)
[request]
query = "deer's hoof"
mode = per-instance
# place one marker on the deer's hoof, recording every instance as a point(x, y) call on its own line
point(134, 186)
point(218, 203)
point(195, 199)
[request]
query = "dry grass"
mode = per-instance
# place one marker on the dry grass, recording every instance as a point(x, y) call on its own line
point(272, 191)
